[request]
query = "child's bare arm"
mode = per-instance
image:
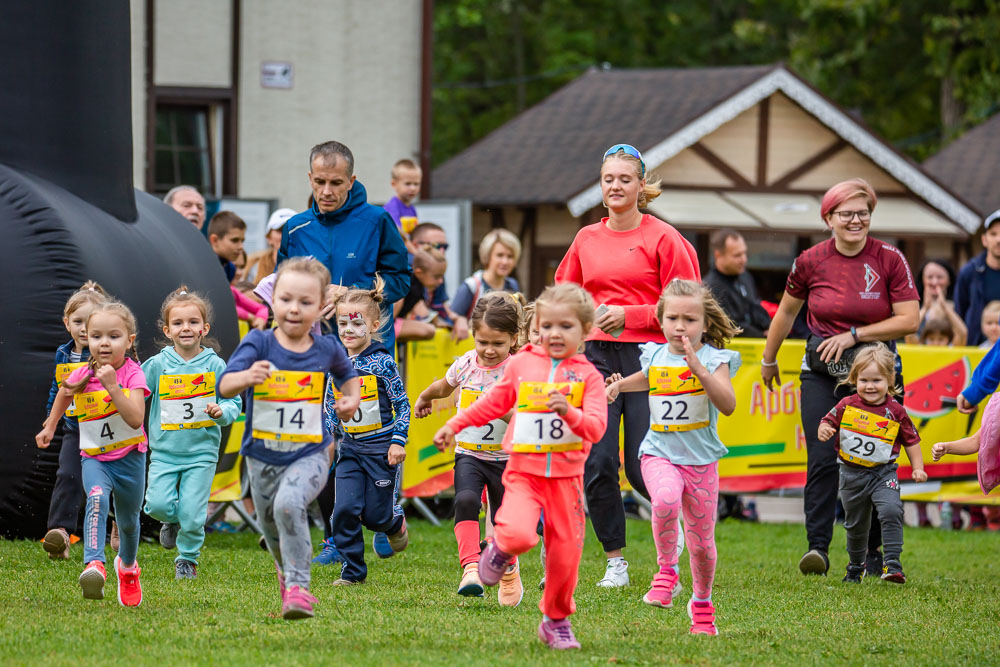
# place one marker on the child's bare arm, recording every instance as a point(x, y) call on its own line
point(719, 389)
point(916, 457)
point(962, 447)
point(62, 400)
point(437, 389)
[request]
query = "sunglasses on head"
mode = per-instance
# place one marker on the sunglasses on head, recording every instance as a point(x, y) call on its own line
point(434, 246)
point(628, 149)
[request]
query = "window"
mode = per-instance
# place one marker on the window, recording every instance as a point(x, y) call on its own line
point(183, 148)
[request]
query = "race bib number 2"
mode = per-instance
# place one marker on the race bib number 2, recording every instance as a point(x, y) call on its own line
point(288, 407)
point(102, 429)
point(183, 400)
point(677, 400)
point(538, 429)
point(487, 438)
point(865, 438)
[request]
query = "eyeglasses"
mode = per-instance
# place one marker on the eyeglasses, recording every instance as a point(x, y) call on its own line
point(433, 246)
point(628, 150)
point(847, 216)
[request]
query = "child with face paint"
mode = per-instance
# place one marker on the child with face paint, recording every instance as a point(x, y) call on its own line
point(374, 438)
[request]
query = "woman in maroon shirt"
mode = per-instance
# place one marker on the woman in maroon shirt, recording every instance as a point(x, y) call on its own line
point(858, 290)
point(624, 261)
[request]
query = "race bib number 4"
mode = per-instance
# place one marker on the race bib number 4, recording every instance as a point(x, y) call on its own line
point(102, 429)
point(367, 417)
point(865, 438)
point(538, 429)
point(63, 371)
point(487, 438)
point(677, 401)
point(183, 400)
point(288, 407)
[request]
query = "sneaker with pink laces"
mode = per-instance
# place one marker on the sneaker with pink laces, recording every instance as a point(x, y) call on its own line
point(702, 615)
point(129, 586)
point(661, 593)
point(92, 580)
point(493, 564)
point(557, 634)
point(297, 603)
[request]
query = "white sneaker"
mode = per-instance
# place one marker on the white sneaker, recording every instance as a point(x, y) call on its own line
point(615, 576)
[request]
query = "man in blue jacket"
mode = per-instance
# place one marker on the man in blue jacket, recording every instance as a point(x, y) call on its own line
point(979, 280)
point(352, 238)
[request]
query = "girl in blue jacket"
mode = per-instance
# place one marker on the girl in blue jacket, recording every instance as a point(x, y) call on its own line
point(185, 427)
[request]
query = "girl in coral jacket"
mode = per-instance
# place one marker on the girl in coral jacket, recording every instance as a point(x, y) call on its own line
point(559, 410)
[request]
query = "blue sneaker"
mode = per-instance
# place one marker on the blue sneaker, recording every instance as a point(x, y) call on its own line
point(328, 555)
point(380, 543)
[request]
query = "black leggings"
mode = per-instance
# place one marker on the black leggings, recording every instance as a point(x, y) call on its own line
point(67, 495)
point(471, 475)
point(600, 474)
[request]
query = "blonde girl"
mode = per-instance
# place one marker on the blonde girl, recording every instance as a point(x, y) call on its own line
point(560, 411)
point(109, 395)
point(67, 494)
point(284, 370)
point(479, 457)
point(368, 463)
point(186, 420)
point(688, 380)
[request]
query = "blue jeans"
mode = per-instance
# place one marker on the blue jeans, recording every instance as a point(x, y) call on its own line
point(126, 479)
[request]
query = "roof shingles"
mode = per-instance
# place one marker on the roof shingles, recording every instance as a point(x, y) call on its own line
point(970, 166)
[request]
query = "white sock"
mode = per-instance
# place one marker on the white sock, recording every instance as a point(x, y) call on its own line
point(677, 570)
point(617, 560)
point(698, 599)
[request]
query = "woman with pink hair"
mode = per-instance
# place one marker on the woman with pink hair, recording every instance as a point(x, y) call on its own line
point(858, 290)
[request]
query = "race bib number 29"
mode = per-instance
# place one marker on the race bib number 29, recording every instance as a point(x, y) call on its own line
point(288, 406)
point(677, 400)
point(865, 438)
point(538, 429)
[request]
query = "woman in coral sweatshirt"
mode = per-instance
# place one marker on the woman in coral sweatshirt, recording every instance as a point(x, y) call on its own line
point(625, 261)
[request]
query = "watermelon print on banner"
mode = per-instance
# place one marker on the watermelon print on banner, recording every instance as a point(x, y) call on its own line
point(934, 394)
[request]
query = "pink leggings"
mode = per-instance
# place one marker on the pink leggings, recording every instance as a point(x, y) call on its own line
point(697, 487)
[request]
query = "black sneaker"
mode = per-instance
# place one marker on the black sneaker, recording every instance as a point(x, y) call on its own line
point(168, 535)
point(814, 562)
point(893, 571)
point(855, 573)
point(185, 569)
point(873, 563)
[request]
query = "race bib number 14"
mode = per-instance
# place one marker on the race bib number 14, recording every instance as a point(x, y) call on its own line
point(288, 406)
point(183, 399)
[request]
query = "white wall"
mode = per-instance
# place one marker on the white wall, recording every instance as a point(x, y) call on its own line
point(192, 39)
point(137, 9)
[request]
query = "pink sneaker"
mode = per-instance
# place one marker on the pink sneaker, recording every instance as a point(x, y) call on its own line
point(702, 615)
point(129, 586)
point(661, 593)
point(92, 580)
point(557, 634)
point(493, 564)
point(297, 603)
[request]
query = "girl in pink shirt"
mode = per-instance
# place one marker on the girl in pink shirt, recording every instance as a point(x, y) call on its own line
point(109, 394)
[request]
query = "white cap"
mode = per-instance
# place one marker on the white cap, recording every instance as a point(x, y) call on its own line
point(278, 219)
point(990, 219)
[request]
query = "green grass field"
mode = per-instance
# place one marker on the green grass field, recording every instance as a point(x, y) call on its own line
point(408, 612)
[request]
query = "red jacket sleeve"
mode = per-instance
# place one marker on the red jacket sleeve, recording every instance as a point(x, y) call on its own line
point(677, 259)
point(569, 269)
point(591, 420)
point(495, 403)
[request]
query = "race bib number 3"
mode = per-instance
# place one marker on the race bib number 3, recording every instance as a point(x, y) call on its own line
point(487, 438)
point(367, 417)
point(102, 429)
point(677, 401)
point(865, 438)
point(183, 399)
point(288, 406)
point(538, 429)
point(63, 371)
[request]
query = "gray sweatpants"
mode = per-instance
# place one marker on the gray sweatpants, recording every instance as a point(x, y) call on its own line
point(860, 489)
point(281, 495)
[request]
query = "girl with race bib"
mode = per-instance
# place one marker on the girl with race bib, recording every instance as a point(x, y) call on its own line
point(560, 409)
point(689, 383)
point(374, 438)
point(286, 453)
point(871, 427)
point(186, 418)
point(67, 494)
point(109, 396)
point(479, 456)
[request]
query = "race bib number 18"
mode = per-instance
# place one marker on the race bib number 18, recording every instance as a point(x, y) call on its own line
point(480, 438)
point(183, 399)
point(538, 429)
point(288, 407)
point(677, 401)
point(865, 438)
point(102, 429)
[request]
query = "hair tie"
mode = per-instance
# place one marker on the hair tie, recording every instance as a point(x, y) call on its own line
point(183, 293)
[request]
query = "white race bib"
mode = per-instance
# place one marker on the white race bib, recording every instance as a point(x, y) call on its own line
point(677, 400)
point(288, 406)
point(367, 417)
point(102, 428)
point(536, 428)
point(866, 438)
point(487, 438)
point(183, 400)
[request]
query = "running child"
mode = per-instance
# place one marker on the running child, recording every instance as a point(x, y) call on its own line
point(871, 427)
point(560, 411)
point(185, 426)
point(286, 453)
point(689, 383)
point(374, 439)
point(67, 495)
point(986, 444)
point(109, 396)
point(479, 456)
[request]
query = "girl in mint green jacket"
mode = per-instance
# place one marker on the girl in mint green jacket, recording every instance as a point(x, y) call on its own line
point(185, 427)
